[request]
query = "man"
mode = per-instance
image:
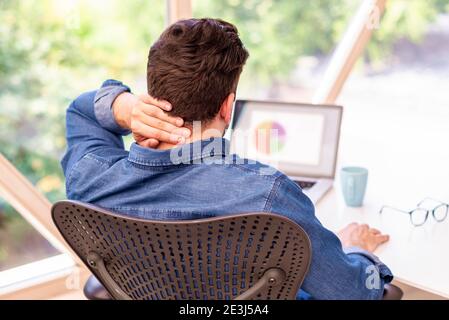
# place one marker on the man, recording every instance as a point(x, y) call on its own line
point(196, 64)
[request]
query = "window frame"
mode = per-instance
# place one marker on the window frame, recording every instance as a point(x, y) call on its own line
point(34, 273)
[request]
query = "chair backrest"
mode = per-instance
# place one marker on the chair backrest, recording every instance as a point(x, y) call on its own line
point(212, 258)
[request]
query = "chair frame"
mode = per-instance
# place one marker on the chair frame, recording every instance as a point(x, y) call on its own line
point(272, 276)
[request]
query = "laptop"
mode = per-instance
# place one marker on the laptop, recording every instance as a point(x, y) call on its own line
point(298, 139)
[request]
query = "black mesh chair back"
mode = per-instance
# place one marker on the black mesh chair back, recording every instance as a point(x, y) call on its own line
point(244, 256)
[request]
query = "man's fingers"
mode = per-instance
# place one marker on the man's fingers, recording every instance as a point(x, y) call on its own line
point(382, 238)
point(147, 99)
point(149, 143)
point(151, 121)
point(154, 111)
point(156, 122)
point(364, 226)
point(375, 231)
point(156, 134)
point(184, 132)
point(152, 143)
point(352, 226)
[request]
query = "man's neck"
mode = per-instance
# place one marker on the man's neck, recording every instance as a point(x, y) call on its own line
point(197, 134)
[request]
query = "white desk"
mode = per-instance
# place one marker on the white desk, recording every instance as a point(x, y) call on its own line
point(418, 256)
point(405, 149)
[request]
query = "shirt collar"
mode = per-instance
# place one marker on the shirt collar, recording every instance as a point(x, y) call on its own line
point(196, 152)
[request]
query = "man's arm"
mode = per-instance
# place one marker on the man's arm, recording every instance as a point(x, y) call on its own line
point(97, 120)
point(335, 273)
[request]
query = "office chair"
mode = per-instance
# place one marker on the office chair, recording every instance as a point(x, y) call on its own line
point(245, 256)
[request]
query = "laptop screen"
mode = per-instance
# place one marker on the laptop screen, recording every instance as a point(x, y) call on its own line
point(298, 139)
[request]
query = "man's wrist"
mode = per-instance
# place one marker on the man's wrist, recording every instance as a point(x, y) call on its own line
point(122, 108)
point(104, 98)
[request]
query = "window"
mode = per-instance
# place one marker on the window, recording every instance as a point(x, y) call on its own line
point(290, 42)
point(396, 104)
point(20, 242)
point(50, 52)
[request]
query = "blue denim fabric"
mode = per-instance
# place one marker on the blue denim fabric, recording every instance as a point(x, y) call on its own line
point(198, 181)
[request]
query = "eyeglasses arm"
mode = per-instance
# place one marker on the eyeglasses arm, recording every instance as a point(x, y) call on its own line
point(393, 208)
point(432, 199)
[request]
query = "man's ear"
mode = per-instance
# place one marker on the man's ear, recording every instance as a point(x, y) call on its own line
point(226, 108)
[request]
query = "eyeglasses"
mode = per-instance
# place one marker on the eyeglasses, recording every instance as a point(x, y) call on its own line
point(419, 215)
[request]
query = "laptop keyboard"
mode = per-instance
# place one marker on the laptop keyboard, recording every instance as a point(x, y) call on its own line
point(305, 184)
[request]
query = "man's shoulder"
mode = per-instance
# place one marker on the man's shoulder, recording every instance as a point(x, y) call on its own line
point(254, 167)
point(282, 195)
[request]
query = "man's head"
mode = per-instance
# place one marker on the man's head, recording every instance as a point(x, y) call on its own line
point(195, 65)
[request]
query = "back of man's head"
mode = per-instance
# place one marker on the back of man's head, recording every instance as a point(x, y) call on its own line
point(195, 64)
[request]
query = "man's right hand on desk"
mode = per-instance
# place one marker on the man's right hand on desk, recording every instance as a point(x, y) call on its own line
point(362, 236)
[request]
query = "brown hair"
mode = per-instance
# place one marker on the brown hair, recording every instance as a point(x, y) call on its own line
point(195, 64)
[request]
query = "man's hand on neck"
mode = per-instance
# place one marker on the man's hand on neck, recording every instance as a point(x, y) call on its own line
point(152, 127)
point(212, 129)
point(146, 117)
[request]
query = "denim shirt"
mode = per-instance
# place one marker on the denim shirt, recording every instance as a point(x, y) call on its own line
point(195, 181)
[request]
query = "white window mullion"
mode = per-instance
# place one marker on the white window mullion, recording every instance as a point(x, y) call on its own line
point(178, 9)
point(30, 204)
point(349, 49)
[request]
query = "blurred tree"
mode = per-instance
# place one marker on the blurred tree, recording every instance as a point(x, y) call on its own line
point(50, 51)
point(277, 32)
point(404, 19)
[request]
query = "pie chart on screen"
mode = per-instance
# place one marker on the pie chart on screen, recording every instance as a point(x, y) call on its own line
point(270, 137)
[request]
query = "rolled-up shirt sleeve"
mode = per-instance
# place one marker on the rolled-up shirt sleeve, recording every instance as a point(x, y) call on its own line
point(91, 126)
point(104, 99)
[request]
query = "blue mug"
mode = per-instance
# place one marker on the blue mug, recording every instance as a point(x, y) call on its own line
point(353, 185)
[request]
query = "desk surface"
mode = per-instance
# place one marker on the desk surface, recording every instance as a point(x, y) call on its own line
point(406, 154)
point(418, 256)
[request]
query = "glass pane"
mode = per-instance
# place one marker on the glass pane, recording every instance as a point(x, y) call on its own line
point(20, 243)
point(396, 102)
point(289, 41)
point(50, 52)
